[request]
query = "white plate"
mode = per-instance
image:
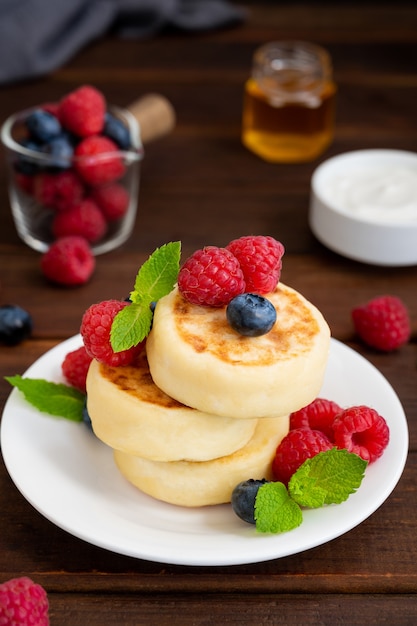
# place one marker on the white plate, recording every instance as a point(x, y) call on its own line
point(69, 477)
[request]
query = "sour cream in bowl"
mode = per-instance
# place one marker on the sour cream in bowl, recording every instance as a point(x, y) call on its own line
point(363, 205)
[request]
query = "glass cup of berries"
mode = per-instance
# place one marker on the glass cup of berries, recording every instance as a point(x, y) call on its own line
point(74, 170)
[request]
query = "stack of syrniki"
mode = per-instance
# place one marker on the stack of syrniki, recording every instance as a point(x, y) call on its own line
point(204, 407)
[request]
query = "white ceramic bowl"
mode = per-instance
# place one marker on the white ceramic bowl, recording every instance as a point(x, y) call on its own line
point(363, 205)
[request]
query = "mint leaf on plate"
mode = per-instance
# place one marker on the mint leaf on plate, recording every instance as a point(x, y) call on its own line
point(330, 477)
point(52, 398)
point(275, 511)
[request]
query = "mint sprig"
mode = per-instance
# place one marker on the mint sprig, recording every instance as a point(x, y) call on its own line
point(155, 279)
point(55, 399)
point(329, 477)
point(275, 510)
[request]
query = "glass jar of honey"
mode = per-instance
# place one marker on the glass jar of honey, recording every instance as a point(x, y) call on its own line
point(289, 102)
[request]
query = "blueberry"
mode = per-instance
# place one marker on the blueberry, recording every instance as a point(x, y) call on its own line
point(251, 315)
point(86, 416)
point(42, 126)
point(25, 164)
point(61, 150)
point(15, 324)
point(243, 498)
point(115, 130)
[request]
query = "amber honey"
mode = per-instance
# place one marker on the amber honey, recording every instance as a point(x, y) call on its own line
point(288, 109)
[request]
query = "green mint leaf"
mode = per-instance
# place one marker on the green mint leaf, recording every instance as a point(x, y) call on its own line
point(158, 274)
point(53, 398)
point(155, 279)
point(130, 326)
point(328, 478)
point(275, 511)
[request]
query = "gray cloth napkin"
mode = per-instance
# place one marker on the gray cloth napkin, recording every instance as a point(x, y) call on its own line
point(39, 36)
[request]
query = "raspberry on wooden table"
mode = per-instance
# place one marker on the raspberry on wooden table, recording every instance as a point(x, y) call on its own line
point(95, 330)
point(296, 447)
point(318, 415)
point(23, 603)
point(98, 161)
point(84, 220)
point(69, 261)
point(82, 111)
point(75, 367)
point(361, 430)
point(260, 259)
point(211, 276)
point(383, 323)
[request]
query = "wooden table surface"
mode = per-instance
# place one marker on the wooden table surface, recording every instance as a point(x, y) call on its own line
point(201, 186)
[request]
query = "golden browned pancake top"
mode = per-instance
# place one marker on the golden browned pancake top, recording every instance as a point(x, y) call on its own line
point(136, 380)
point(206, 329)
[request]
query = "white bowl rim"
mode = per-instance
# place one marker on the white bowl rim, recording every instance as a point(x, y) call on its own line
point(361, 155)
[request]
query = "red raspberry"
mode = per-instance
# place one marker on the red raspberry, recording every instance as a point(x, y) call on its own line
point(69, 261)
point(382, 323)
point(75, 367)
point(23, 603)
point(260, 260)
point(26, 183)
point(44, 189)
point(297, 446)
point(363, 431)
point(318, 415)
point(113, 201)
point(51, 107)
point(211, 276)
point(95, 330)
point(58, 191)
point(98, 161)
point(84, 220)
point(82, 111)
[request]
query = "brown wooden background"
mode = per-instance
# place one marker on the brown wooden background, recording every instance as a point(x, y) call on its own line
point(199, 185)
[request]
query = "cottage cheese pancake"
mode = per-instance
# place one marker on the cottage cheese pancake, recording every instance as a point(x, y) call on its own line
point(129, 413)
point(194, 484)
point(198, 359)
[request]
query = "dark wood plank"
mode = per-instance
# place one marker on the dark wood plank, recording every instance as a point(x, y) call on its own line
point(213, 609)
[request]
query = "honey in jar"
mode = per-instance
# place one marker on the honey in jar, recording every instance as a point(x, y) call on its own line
point(289, 101)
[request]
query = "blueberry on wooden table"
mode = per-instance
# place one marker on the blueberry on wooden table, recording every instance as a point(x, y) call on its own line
point(15, 324)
